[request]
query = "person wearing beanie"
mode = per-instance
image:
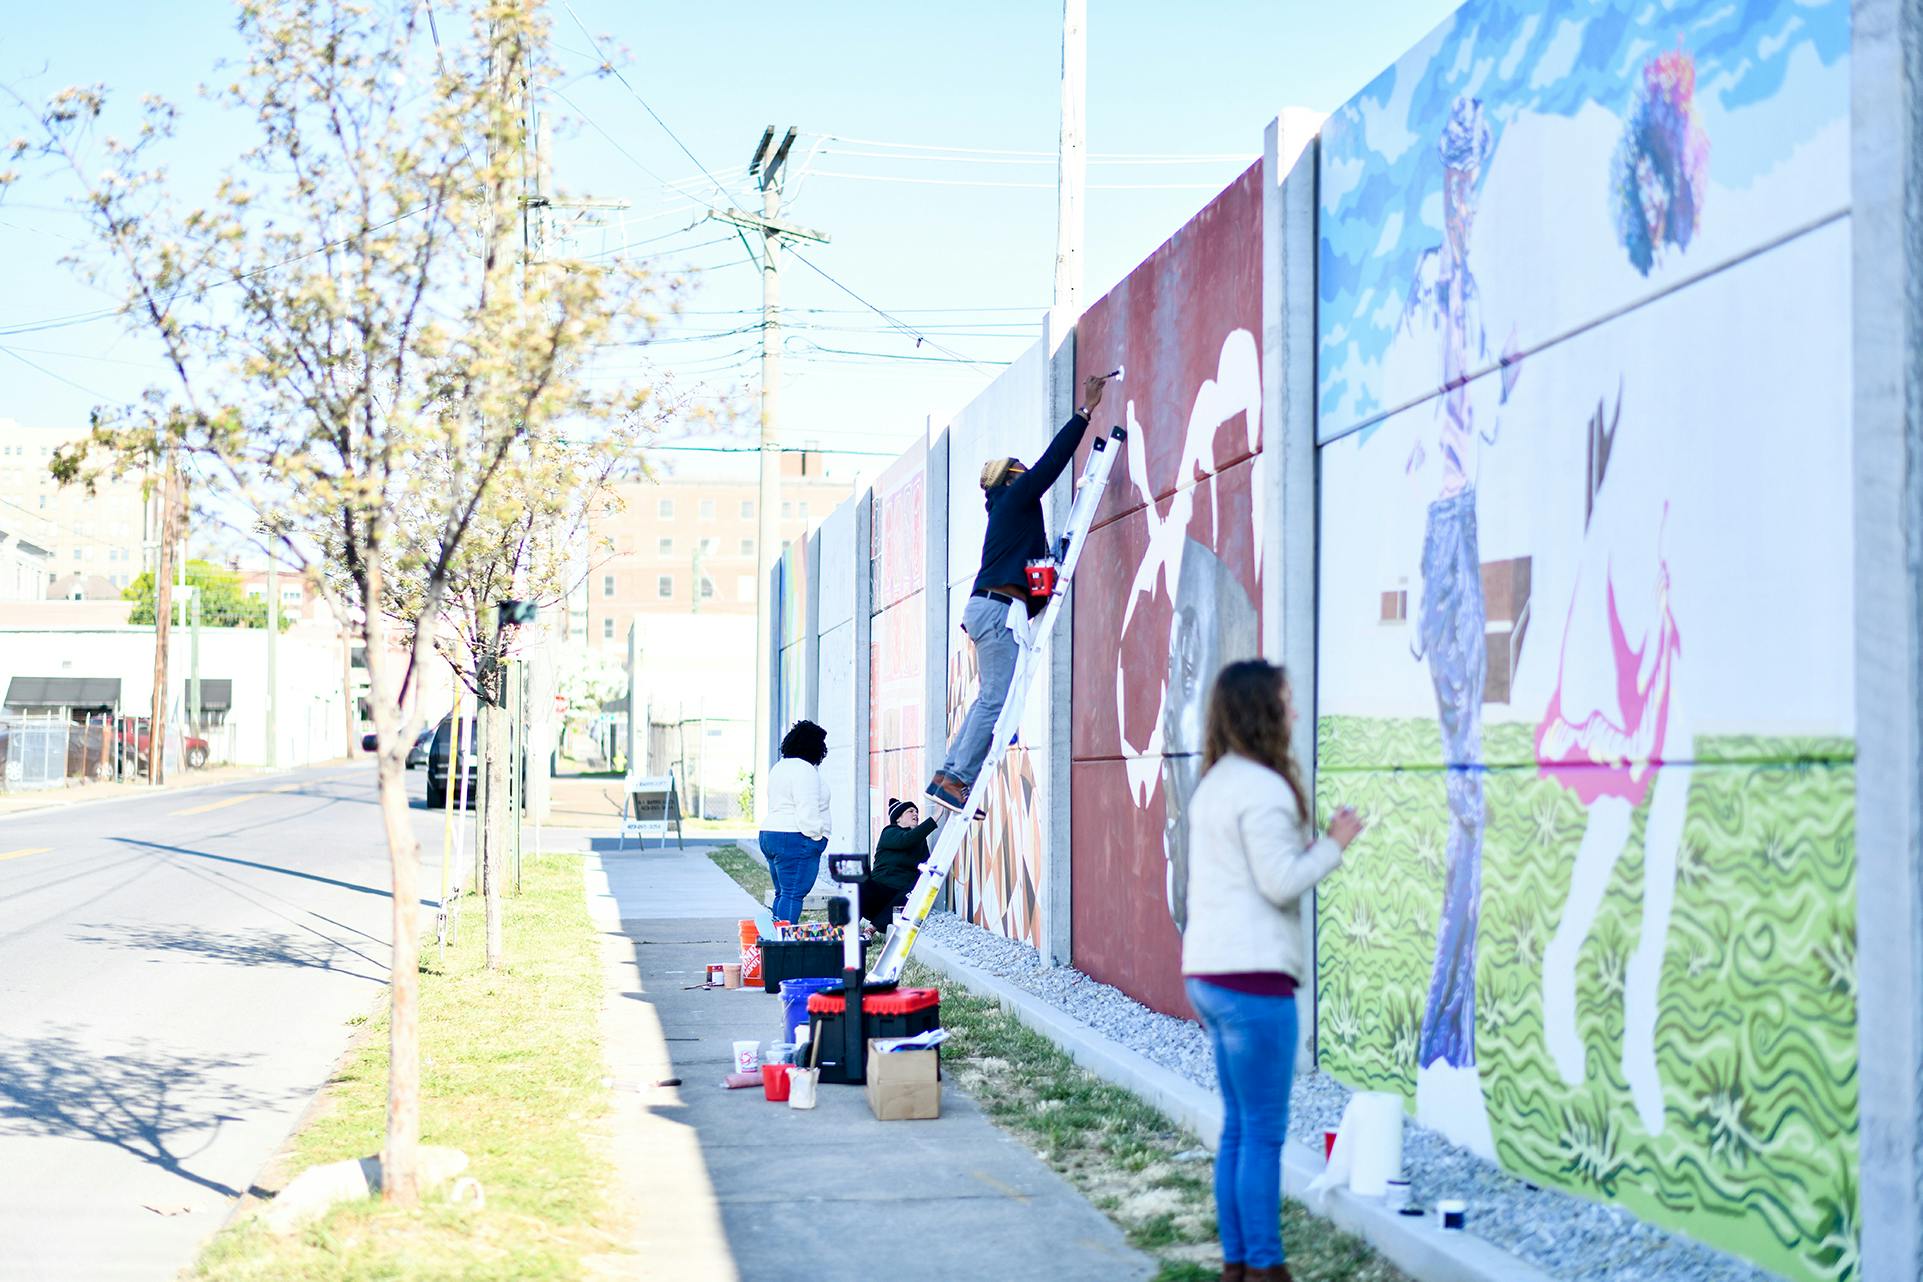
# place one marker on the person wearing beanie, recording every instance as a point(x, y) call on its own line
point(1016, 535)
point(899, 854)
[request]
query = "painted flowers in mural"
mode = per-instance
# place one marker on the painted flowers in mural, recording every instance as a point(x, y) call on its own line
point(1662, 165)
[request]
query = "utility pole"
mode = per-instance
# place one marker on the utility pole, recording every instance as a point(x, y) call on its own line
point(766, 170)
point(163, 615)
point(273, 655)
point(1071, 180)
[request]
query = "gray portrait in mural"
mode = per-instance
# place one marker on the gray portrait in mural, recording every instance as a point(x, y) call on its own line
point(1214, 624)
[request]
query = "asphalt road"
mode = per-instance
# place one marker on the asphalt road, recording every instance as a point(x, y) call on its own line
point(178, 973)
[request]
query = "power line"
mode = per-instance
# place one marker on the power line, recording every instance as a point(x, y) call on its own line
point(987, 182)
point(1038, 160)
point(895, 321)
point(58, 378)
point(616, 72)
point(1114, 157)
point(756, 449)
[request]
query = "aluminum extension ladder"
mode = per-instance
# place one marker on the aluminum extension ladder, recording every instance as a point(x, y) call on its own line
point(906, 927)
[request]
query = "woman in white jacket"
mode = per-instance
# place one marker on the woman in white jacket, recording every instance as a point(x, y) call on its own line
point(1252, 856)
point(794, 830)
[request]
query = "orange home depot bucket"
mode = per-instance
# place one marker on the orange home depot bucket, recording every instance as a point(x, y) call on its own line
point(750, 953)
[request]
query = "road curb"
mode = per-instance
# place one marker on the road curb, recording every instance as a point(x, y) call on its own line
point(164, 791)
point(1415, 1246)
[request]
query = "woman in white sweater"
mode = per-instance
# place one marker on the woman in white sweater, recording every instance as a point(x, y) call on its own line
point(794, 831)
point(1252, 856)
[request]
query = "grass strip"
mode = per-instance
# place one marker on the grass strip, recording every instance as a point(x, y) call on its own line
point(511, 1074)
point(1148, 1175)
point(748, 871)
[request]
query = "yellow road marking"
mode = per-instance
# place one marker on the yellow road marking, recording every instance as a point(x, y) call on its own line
point(24, 852)
point(222, 804)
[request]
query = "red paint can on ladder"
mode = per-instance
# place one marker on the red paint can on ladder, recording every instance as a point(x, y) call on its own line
point(1041, 578)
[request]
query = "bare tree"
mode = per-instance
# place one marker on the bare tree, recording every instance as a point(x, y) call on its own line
point(347, 304)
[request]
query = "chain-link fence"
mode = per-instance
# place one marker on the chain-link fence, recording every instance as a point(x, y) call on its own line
point(45, 750)
point(48, 750)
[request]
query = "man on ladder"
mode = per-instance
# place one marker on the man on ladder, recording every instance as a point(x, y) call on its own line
point(1004, 598)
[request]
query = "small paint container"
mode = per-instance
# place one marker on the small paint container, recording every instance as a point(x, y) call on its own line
point(1453, 1213)
point(1396, 1195)
point(715, 973)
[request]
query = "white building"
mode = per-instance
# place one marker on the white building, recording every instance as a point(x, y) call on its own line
point(94, 540)
point(24, 565)
point(52, 649)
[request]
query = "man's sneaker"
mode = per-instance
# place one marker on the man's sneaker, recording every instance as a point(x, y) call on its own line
point(948, 792)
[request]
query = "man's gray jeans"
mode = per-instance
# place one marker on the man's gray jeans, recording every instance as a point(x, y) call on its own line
point(986, 623)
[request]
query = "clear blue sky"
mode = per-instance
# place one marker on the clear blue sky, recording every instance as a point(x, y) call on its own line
point(970, 266)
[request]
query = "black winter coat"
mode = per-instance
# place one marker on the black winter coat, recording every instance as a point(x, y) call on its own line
point(898, 852)
point(1016, 531)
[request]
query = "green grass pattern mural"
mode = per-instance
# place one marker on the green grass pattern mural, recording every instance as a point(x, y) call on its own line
point(1756, 1037)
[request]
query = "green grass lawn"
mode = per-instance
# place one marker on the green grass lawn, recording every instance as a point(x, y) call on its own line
point(511, 1074)
point(1139, 1168)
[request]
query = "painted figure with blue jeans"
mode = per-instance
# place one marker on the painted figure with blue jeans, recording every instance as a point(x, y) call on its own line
point(1253, 855)
point(1016, 535)
point(794, 830)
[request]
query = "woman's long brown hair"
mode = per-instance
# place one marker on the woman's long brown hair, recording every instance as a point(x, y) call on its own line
point(1247, 717)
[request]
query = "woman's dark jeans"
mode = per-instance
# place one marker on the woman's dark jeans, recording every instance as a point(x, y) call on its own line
point(794, 861)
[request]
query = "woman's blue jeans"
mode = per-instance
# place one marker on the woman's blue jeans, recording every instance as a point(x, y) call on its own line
point(1254, 1042)
point(794, 861)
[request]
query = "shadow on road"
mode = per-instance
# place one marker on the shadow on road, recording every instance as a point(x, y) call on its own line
point(251, 948)
point(249, 863)
point(159, 1106)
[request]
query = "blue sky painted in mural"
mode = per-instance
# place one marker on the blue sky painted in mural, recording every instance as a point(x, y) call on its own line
point(1381, 183)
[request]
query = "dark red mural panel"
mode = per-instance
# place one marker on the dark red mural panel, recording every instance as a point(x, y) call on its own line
point(1187, 327)
point(1170, 584)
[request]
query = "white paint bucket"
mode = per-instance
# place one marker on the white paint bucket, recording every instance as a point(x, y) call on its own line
point(1373, 1130)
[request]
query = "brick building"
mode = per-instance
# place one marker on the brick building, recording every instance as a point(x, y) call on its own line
point(685, 544)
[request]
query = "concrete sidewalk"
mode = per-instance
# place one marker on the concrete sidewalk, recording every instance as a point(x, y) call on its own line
point(729, 1186)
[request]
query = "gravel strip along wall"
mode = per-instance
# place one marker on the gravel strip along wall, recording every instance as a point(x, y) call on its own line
point(1565, 1235)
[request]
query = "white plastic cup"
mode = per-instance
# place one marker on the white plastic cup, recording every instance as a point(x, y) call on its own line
point(747, 1057)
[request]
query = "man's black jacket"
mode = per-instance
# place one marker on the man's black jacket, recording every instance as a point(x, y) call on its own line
point(1016, 532)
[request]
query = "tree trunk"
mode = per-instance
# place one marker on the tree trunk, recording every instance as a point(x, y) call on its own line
point(163, 616)
point(494, 872)
point(400, 1154)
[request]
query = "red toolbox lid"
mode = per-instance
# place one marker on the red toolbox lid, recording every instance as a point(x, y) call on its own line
point(899, 1002)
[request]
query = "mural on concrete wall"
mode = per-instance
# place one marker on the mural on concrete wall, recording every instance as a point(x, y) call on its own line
point(895, 714)
point(1170, 587)
point(1603, 926)
point(997, 878)
point(998, 875)
point(789, 622)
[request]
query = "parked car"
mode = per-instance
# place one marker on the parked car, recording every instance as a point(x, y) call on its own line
point(438, 752)
point(135, 739)
point(417, 755)
point(437, 771)
point(90, 752)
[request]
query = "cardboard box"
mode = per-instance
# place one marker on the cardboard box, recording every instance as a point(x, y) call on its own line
point(903, 1086)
